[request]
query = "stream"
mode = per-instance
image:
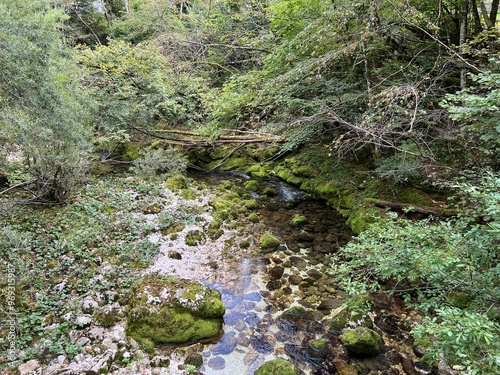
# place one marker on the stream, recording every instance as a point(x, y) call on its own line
point(258, 289)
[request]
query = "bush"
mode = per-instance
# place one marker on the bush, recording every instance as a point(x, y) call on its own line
point(154, 162)
point(434, 264)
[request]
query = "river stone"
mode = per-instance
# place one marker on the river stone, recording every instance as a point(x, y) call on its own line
point(295, 318)
point(276, 272)
point(294, 279)
point(277, 367)
point(169, 310)
point(298, 262)
point(194, 359)
point(330, 304)
point(226, 345)
point(217, 363)
point(362, 340)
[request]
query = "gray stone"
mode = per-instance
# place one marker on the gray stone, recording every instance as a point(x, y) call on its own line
point(83, 321)
point(28, 367)
point(89, 305)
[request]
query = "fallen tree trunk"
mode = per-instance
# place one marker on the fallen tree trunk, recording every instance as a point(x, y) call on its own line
point(190, 139)
point(408, 207)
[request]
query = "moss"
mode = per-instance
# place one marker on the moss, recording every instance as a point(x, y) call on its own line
point(107, 316)
point(245, 244)
point(194, 237)
point(252, 185)
point(253, 217)
point(177, 182)
point(298, 221)
point(268, 241)
point(414, 196)
point(361, 218)
point(340, 318)
point(270, 192)
point(131, 151)
point(146, 345)
point(458, 299)
point(194, 359)
point(188, 194)
point(238, 163)
point(258, 171)
point(362, 340)
point(169, 310)
point(277, 367)
point(251, 204)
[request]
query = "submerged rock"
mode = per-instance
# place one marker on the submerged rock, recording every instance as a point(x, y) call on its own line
point(167, 310)
point(277, 367)
point(362, 340)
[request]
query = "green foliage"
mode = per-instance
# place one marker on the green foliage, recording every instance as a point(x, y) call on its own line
point(433, 264)
point(43, 108)
point(151, 163)
point(58, 264)
point(136, 87)
point(467, 341)
point(475, 109)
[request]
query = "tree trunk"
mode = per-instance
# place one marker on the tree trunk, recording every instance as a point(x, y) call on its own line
point(127, 6)
point(477, 18)
point(462, 37)
point(486, 16)
point(494, 12)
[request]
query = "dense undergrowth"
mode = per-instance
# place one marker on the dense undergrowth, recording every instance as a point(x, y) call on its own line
point(59, 254)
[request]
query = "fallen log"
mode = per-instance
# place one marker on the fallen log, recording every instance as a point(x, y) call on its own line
point(408, 207)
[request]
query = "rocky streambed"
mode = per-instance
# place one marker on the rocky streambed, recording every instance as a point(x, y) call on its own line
point(264, 246)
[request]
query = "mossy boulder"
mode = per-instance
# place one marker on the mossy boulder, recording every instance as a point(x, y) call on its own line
point(362, 340)
point(268, 242)
point(252, 185)
point(168, 310)
point(258, 171)
point(277, 367)
point(298, 221)
point(251, 204)
point(253, 217)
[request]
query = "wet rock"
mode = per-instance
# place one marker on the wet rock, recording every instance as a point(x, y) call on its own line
point(217, 363)
point(296, 318)
point(263, 343)
point(294, 279)
point(194, 359)
point(298, 262)
point(329, 304)
point(315, 274)
point(273, 285)
point(254, 296)
point(409, 367)
point(362, 340)
point(305, 236)
point(250, 357)
point(226, 345)
point(170, 310)
point(343, 368)
point(276, 272)
point(277, 367)
point(234, 317)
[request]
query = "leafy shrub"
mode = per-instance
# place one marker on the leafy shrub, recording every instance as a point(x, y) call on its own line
point(466, 340)
point(159, 161)
point(435, 264)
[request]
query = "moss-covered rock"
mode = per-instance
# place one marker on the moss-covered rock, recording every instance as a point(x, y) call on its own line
point(177, 182)
point(362, 340)
point(298, 221)
point(251, 204)
point(166, 310)
point(107, 316)
point(269, 191)
point(258, 170)
point(252, 185)
point(253, 217)
point(153, 208)
point(268, 242)
point(277, 367)
point(194, 359)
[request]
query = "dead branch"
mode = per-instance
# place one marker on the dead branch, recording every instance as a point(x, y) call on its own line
point(412, 208)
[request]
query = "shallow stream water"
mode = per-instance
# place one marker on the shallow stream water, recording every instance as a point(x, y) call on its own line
point(258, 289)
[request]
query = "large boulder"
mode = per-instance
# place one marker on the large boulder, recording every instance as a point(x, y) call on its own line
point(362, 340)
point(277, 367)
point(167, 310)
